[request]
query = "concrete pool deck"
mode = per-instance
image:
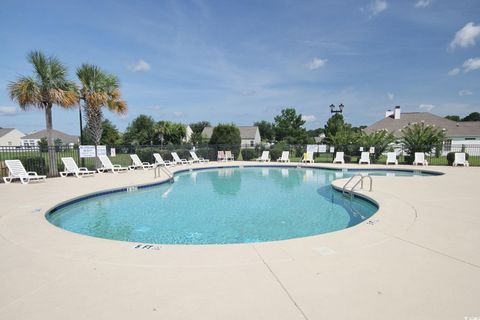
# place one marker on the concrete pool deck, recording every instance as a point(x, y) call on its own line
point(418, 257)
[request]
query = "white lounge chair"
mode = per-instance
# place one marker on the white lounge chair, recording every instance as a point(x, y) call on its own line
point(265, 157)
point(391, 158)
point(221, 156)
point(460, 160)
point(339, 157)
point(72, 168)
point(364, 158)
point(229, 156)
point(284, 157)
point(196, 158)
point(308, 157)
point(420, 159)
point(16, 170)
point(177, 159)
point(159, 160)
point(108, 166)
point(137, 163)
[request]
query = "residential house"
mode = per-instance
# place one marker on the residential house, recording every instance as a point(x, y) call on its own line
point(32, 139)
point(460, 135)
point(10, 137)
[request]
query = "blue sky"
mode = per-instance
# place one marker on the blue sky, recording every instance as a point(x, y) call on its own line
point(242, 61)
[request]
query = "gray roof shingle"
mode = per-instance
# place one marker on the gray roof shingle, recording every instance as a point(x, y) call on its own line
point(453, 129)
point(4, 131)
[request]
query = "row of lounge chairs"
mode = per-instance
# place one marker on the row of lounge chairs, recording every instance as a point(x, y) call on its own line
point(17, 170)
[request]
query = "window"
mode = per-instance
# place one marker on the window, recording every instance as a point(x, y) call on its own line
point(447, 145)
point(251, 143)
point(469, 138)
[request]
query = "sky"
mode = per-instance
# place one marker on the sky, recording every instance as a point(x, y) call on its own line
point(243, 61)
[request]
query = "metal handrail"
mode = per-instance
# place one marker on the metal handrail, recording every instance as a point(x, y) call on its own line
point(159, 169)
point(360, 181)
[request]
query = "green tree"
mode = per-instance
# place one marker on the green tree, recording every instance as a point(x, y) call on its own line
point(198, 127)
point(474, 116)
point(170, 132)
point(227, 137)
point(379, 139)
point(289, 127)
point(267, 130)
point(453, 118)
point(334, 124)
point(99, 90)
point(47, 87)
point(141, 131)
point(420, 137)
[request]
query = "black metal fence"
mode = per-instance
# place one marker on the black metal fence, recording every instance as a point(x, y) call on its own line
point(37, 158)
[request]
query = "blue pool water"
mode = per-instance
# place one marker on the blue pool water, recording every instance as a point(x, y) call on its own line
point(218, 206)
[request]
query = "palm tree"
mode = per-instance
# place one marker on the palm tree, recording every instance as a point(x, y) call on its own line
point(47, 87)
point(98, 89)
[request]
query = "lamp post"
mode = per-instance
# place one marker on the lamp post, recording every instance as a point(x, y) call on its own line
point(333, 110)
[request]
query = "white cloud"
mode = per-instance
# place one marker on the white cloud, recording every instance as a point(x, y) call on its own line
point(462, 93)
point(376, 7)
point(422, 3)
point(454, 72)
point(316, 63)
point(8, 111)
point(426, 107)
point(471, 64)
point(140, 66)
point(309, 118)
point(466, 36)
point(390, 96)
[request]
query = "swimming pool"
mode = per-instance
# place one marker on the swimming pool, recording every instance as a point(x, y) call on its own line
point(220, 206)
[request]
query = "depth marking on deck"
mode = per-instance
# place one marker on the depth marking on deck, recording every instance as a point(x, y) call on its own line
point(143, 246)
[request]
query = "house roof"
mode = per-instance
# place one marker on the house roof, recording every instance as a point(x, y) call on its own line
point(453, 129)
point(246, 132)
point(4, 131)
point(66, 138)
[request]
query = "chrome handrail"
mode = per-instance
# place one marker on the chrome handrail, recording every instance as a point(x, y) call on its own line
point(159, 169)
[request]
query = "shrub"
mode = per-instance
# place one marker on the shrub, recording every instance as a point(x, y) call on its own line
point(249, 154)
point(226, 137)
point(451, 157)
point(35, 163)
point(419, 137)
point(277, 149)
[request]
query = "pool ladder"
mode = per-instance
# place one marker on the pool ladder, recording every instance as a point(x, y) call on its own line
point(346, 191)
point(158, 172)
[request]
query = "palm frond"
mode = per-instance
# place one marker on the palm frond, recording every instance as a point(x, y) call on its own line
point(26, 92)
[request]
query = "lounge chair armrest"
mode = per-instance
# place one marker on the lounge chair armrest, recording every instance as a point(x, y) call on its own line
point(83, 169)
point(32, 173)
point(146, 163)
point(117, 166)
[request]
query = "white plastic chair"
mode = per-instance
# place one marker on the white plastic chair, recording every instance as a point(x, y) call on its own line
point(196, 158)
point(339, 157)
point(420, 159)
point(460, 159)
point(108, 166)
point(308, 157)
point(221, 156)
point(391, 158)
point(137, 163)
point(229, 156)
point(284, 157)
point(159, 160)
point(16, 170)
point(265, 157)
point(364, 158)
point(72, 168)
point(177, 159)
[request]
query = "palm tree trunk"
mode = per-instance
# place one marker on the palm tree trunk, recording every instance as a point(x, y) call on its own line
point(52, 161)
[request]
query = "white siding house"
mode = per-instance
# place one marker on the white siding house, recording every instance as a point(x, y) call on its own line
point(10, 137)
point(32, 139)
point(460, 135)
